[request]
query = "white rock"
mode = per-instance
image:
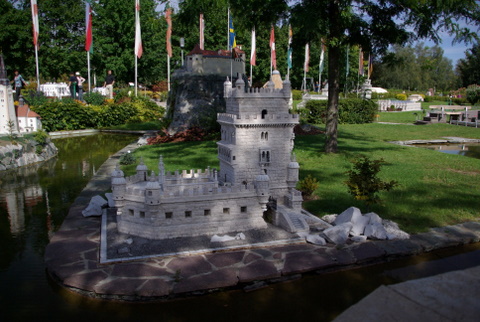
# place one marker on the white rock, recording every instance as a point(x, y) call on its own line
point(374, 218)
point(375, 231)
point(349, 215)
point(109, 197)
point(129, 241)
point(329, 218)
point(359, 225)
point(315, 239)
point(338, 234)
point(219, 239)
point(393, 231)
point(94, 208)
point(240, 236)
point(358, 239)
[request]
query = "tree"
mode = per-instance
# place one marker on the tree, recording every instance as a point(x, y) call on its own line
point(375, 25)
point(469, 67)
point(415, 68)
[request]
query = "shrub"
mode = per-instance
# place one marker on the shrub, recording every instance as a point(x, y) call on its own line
point(35, 98)
point(127, 158)
point(363, 183)
point(401, 97)
point(473, 94)
point(297, 95)
point(308, 185)
point(41, 137)
point(350, 111)
point(94, 98)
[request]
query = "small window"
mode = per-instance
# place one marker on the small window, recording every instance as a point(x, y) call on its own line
point(142, 214)
point(243, 209)
point(233, 158)
point(130, 212)
point(226, 210)
point(150, 193)
point(206, 212)
point(169, 215)
point(188, 213)
point(264, 113)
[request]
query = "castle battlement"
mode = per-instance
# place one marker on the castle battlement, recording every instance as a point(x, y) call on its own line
point(257, 118)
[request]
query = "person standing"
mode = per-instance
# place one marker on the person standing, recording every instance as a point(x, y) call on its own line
point(72, 82)
point(18, 84)
point(108, 84)
point(80, 81)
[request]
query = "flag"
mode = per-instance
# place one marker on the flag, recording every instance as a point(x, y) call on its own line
point(307, 57)
point(290, 50)
point(322, 57)
point(138, 32)
point(88, 27)
point(202, 28)
point(254, 49)
point(168, 17)
point(370, 65)
point(347, 63)
point(272, 48)
point(35, 22)
point(232, 43)
point(361, 71)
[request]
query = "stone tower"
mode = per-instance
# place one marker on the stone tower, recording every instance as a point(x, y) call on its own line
point(257, 136)
point(7, 108)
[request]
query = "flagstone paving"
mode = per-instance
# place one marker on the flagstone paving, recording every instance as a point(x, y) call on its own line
point(73, 257)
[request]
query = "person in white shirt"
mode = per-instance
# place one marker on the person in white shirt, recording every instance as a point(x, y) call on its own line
point(80, 81)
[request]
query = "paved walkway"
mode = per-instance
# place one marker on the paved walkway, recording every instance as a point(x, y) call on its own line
point(451, 296)
point(72, 257)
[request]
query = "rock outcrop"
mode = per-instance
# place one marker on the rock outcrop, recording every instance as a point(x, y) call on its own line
point(18, 155)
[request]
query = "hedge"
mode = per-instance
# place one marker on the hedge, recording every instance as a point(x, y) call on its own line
point(350, 111)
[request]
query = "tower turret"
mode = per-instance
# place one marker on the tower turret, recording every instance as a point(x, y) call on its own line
point(262, 187)
point(292, 172)
point(152, 191)
point(227, 88)
point(142, 171)
point(119, 188)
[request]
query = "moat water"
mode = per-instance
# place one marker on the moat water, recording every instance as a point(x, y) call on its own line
point(35, 200)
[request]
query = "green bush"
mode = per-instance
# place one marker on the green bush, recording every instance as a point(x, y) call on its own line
point(350, 111)
point(401, 97)
point(473, 94)
point(297, 95)
point(35, 98)
point(308, 185)
point(127, 158)
point(94, 98)
point(363, 183)
point(41, 137)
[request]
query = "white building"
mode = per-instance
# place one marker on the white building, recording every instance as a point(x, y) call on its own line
point(7, 107)
point(28, 120)
point(257, 170)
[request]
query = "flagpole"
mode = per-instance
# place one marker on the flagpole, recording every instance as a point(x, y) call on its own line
point(88, 71)
point(228, 28)
point(136, 74)
point(36, 63)
point(168, 71)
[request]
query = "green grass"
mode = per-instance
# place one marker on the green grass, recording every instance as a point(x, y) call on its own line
point(435, 189)
point(399, 117)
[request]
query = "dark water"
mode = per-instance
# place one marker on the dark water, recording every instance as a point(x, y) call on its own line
point(471, 150)
point(35, 200)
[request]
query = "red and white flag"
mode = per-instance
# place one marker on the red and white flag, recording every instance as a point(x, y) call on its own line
point(35, 22)
point(202, 31)
point(168, 17)
point(272, 48)
point(138, 32)
point(307, 57)
point(253, 53)
point(88, 26)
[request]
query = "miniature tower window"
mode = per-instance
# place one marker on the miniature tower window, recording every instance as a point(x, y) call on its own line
point(207, 212)
point(188, 213)
point(243, 209)
point(142, 214)
point(226, 210)
point(264, 113)
point(264, 156)
point(169, 215)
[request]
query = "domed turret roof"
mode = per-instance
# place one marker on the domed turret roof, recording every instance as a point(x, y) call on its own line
point(117, 172)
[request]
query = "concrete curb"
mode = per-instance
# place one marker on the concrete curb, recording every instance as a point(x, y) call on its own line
point(72, 257)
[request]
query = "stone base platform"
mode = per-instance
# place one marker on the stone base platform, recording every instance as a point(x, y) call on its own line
point(120, 247)
point(73, 256)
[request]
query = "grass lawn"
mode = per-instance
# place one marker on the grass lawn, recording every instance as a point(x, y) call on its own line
point(435, 189)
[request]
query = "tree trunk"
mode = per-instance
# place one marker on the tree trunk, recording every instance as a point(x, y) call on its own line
point(333, 80)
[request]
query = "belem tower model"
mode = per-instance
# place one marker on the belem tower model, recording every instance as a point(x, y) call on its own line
point(257, 170)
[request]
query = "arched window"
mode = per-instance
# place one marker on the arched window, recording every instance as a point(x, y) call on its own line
point(266, 136)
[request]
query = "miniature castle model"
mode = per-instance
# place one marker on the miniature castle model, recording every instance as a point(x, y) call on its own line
point(256, 168)
point(210, 62)
point(7, 107)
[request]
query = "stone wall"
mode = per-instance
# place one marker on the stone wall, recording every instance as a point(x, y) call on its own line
point(19, 155)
